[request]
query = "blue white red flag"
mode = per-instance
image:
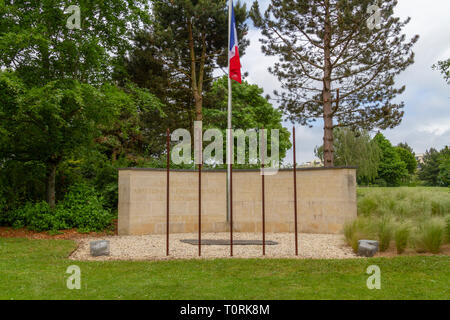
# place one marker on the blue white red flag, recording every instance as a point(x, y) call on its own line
point(233, 55)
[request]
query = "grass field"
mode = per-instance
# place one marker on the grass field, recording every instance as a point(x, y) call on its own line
point(36, 269)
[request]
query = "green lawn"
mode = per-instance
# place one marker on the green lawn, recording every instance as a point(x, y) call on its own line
point(35, 269)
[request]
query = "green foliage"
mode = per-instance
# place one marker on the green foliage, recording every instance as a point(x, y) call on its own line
point(392, 169)
point(46, 125)
point(251, 110)
point(190, 38)
point(355, 148)
point(35, 41)
point(58, 99)
point(402, 235)
point(435, 170)
point(37, 217)
point(82, 209)
point(408, 158)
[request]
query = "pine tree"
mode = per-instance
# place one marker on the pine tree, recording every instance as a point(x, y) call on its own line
point(333, 66)
point(193, 36)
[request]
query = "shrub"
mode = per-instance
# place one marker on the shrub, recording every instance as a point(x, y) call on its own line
point(384, 232)
point(82, 209)
point(430, 237)
point(35, 216)
point(401, 238)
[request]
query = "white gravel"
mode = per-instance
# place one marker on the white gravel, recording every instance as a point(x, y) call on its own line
point(153, 247)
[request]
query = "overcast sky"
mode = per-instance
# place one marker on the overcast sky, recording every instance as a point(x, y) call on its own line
point(427, 97)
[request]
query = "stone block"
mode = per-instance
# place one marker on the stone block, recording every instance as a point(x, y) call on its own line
point(99, 248)
point(367, 248)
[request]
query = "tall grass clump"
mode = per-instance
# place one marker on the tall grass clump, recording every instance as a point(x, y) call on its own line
point(401, 238)
point(367, 206)
point(447, 229)
point(430, 236)
point(349, 231)
point(385, 231)
point(357, 230)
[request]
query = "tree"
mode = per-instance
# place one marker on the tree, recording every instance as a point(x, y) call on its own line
point(406, 146)
point(444, 68)
point(444, 167)
point(332, 66)
point(408, 158)
point(54, 100)
point(129, 134)
point(192, 36)
point(37, 44)
point(145, 67)
point(46, 124)
point(355, 149)
point(392, 169)
point(251, 110)
point(435, 168)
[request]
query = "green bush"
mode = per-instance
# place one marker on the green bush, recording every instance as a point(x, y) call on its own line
point(82, 209)
point(401, 238)
point(35, 216)
point(430, 236)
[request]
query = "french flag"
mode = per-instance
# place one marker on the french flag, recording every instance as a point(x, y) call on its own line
point(233, 54)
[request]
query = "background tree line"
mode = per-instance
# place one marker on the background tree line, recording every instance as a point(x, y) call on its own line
point(77, 104)
point(382, 164)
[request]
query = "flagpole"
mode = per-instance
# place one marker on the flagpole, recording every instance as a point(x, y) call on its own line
point(229, 126)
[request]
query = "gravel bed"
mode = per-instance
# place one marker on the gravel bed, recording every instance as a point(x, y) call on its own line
point(153, 247)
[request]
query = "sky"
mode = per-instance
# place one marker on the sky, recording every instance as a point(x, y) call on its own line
point(426, 122)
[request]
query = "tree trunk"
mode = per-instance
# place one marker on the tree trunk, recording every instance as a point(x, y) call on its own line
point(51, 178)
point(198, 107)
point(328, 151)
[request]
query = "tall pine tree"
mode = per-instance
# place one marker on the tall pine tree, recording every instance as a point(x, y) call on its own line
point(333, 66)
point(192, 36)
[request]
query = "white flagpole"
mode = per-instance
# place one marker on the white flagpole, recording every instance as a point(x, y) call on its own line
point(229, 127)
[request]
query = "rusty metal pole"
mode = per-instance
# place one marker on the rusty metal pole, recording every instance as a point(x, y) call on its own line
point(295, 194)
point(167, 191)
point(263, 195)
point(199, 209)
point(231, 210)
